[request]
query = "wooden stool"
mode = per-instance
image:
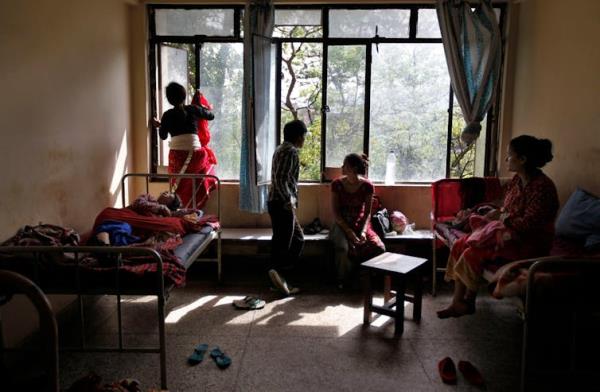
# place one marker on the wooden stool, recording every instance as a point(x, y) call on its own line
point(394, 267)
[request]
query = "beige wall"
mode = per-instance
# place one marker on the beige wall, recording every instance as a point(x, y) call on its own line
point(65, 107)
point(557, 87)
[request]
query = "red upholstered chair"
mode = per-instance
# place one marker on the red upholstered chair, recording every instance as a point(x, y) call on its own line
point(449, 196)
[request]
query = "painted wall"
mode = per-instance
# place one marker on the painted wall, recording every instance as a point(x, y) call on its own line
point(65, 107)
point(557, 87)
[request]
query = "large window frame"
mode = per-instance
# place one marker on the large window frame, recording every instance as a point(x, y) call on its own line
point(491, 118)
point(491, 135)
point(196, 41)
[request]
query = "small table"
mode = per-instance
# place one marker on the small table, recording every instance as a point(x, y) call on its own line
point(396, 267)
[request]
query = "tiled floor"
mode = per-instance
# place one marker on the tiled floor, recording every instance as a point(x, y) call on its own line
point(314, 341)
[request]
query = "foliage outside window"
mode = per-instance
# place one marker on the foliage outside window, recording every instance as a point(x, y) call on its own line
point(377, 82)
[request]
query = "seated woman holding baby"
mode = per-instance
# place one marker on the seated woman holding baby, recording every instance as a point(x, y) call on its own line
point(522, 228)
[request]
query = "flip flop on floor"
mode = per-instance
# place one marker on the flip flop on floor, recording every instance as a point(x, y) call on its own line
point(249, 303)
point(447, 371)
point(198, 354)
point(470, 372)
point(222, 360)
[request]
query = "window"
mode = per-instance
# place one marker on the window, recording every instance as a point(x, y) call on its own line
point(366, 79)
point(409, 111)
point(200, 48)
point(372, 80)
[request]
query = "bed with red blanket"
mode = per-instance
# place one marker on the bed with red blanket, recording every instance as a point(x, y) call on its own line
point(60, 263)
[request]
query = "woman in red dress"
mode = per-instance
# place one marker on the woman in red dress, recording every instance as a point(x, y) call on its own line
point(188, 149)
point(523, 228)
point(351, 199)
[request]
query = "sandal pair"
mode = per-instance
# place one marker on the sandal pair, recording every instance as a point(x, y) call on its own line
point(222, 360)
point(447, 372)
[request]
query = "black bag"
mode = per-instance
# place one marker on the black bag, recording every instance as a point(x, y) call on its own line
point(381, 222)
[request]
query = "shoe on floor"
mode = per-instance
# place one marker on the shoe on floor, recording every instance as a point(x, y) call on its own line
point(470, 373)
point(279, 283)
point(447, 371)
point(249, 303)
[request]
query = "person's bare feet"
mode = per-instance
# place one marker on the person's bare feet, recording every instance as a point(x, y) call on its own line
point(457, 309)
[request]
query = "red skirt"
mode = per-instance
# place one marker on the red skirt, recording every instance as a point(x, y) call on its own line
point(203, 161)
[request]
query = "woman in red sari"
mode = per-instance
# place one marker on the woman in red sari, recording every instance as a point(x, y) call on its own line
point(351, 199)
point(522, 228)
point(188, 150)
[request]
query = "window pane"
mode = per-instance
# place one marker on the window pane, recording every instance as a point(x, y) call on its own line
point(391, 23)
point(221, 78)
point(210, 22)
point(177, 65)
point(409, 103)
point(428, 26)
point(346, 99)
point(298, 23)
point(298, 17)
point(301, 98)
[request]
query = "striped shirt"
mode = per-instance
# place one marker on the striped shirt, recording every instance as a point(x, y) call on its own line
point(284, 174)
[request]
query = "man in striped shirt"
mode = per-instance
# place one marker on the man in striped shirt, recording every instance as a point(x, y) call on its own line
point(288, 240)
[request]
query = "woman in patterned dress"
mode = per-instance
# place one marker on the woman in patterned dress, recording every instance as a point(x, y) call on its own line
point(351, 199)
point(522, 228)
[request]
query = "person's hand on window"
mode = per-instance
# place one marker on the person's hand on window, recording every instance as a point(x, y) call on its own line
point(154, 123)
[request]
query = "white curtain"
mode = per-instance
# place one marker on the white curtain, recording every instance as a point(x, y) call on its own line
point(258, 136)
point(473, 48)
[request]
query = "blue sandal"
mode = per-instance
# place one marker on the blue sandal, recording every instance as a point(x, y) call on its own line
point(198, 354)
point(222, 360)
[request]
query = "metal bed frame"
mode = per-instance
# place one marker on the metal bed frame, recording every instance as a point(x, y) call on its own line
point(14, 283)
point(579, 265)
point(80, 289)
point(216, 234)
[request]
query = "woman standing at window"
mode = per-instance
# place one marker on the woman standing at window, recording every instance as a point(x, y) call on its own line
point(188, 150)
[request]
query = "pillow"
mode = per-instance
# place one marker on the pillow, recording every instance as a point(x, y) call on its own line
point(580, 217)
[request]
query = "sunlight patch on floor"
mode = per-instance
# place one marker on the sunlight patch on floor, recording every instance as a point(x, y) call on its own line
point(139, 300)
point(176, 315)
point(228, 300)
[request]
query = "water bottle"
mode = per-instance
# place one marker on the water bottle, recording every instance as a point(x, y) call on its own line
point(390, 169)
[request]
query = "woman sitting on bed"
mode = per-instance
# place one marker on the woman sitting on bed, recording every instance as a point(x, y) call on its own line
point(522, 228)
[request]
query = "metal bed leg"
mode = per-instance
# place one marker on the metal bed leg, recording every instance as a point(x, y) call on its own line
point(2, 359)
point(219, 266)
point(119, 321)
point(434, 266)
point(81, 320)
point(524, 350)
point(162, 341)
